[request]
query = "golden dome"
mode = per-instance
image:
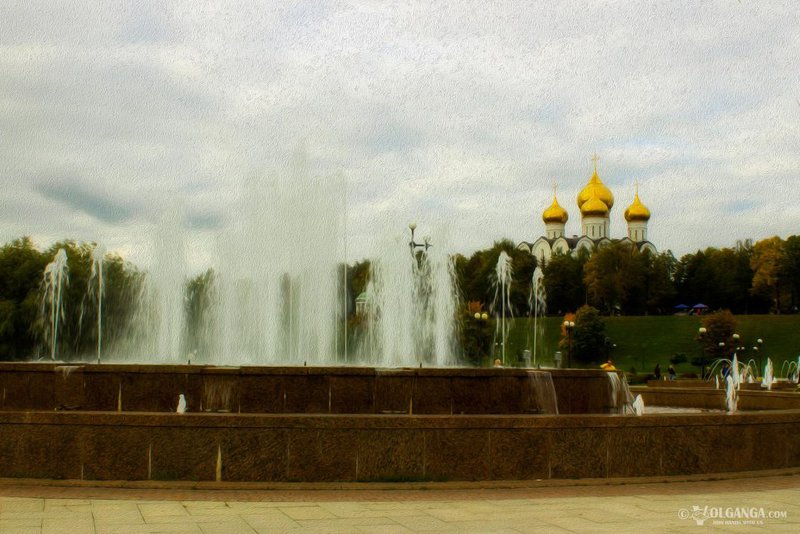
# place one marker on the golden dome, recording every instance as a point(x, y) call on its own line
point(555, 213)
point(637, 211)
point(594, 206)
point(596, 187)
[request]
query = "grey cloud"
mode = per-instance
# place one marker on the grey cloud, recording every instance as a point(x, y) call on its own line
point(393, 137)
point(203, 221)
point(79, 197)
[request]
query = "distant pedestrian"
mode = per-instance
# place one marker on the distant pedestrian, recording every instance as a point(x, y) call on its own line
point(657, 371)
point(726, 370)
point(672, 374)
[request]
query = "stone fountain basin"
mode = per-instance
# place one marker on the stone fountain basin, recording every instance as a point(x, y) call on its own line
point(474, 432)
point(318, 390)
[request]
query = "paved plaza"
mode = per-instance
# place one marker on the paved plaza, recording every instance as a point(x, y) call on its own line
point(655, 506)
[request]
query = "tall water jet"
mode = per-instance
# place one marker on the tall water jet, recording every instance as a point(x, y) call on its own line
point(167, 280)
point(410, 315)
point(797, 371)
point(539, 307)
point(767, 380)
point(731, 394)
point(156, 330)
point(54, 280)
point(502, 278)
point(276, 292)
point(97, 290)
point(276, 295)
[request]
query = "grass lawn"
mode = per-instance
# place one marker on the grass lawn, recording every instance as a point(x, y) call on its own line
point(641, 342)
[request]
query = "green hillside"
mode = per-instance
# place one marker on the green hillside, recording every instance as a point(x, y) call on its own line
point(641, 342)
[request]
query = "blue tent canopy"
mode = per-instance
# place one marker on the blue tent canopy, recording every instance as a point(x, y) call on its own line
point(681, 307)
point(699, 306)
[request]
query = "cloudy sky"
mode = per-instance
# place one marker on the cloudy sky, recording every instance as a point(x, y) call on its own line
point(458, 115)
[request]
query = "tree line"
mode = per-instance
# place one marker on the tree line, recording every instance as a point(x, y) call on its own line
point(618, 279)
point(760, 277)
point(23, 312)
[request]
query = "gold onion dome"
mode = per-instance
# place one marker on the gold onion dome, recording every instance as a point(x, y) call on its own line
point(594, 206)
point(555, 213)
point(637, 211)
point(595, 188)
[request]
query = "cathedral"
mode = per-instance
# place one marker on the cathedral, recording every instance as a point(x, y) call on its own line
point(594, 202)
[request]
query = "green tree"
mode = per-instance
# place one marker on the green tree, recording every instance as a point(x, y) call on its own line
point(198, 304)
point(475, 334)
point(659, 282)
point(790, 270)
point(476, 275)
point(719, 278)
point(588, 338)
point(717, 340)
point(615, 278)
point(21, 267)
point(766, 263)
point(77, 334)
point(563, 282)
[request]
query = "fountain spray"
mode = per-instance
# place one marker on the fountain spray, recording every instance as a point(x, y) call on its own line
point(56, 277)
point(503, 272)
point(539, 304)
point(97, 286)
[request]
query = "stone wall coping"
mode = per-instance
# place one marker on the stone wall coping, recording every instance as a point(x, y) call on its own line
point(393, 421)
point(447, 372)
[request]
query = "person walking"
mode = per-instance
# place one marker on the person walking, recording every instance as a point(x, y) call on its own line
point(672, 374)
point(657, 371)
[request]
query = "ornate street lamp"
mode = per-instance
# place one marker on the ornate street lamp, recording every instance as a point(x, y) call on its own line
point(568, 326)
point(701, 334)
point(757, 349)
point(426, 241)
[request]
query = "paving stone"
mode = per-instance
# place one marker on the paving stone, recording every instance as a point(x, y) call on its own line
point(613, 508)
point(307, 512)
point(11, 504)
point(20, 530)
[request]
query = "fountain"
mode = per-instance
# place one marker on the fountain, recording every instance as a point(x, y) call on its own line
point(793, 371)
point(543, 391)
point(54, 280)
point(621, 398)
point(411, 309)
point(502, 290)
point(731, 394)
point(267, 399)
point(96, 290)
point(539, 307)
point(637, 406)
point(767, 380)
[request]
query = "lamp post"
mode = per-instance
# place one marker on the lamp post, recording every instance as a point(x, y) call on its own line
point(481, 338)
point(426, 241)
point(568, 326)
point(757, 349)
point(701, 334)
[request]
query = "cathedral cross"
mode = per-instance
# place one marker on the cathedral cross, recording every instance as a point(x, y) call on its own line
point(594, 159)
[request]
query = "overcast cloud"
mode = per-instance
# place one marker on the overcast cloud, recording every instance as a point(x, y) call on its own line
point(460, 112)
